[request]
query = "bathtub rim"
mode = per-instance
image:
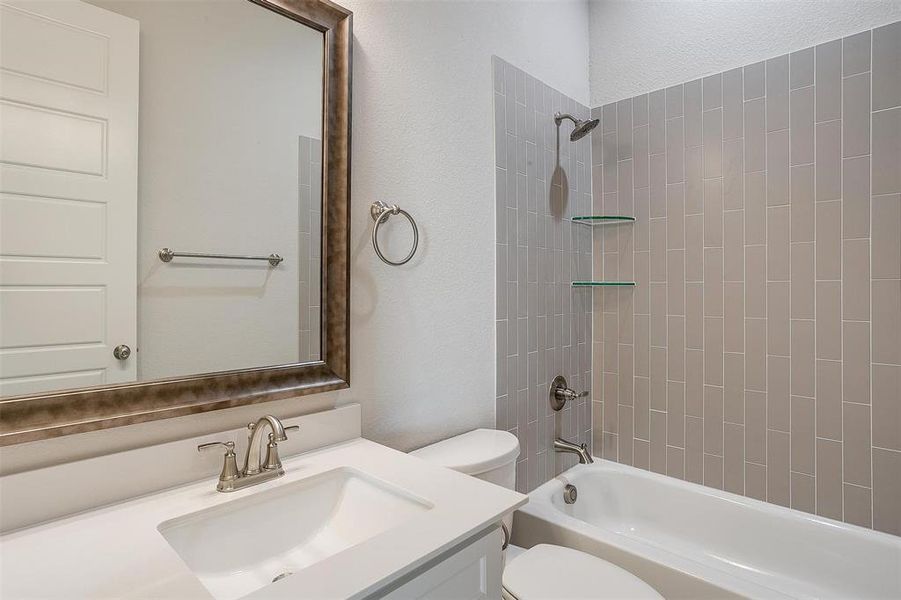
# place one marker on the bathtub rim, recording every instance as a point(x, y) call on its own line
point(541, 507)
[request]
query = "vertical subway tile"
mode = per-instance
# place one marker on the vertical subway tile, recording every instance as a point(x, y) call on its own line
point(733, 174)
point(828, 81)
point(713, 351)
point(713, 282)
point(801, 68)
point(733, 245)
point(755, 281)
point(733, 105)
point(829, 478)
point(801, 118)
point(657, 122)
point(829, 320)
point(755, 481)
point(803, 362)
point(886, 66)
point(755, 354)
point(755, 80)
point(828, 160)
point(803, 287)
point(886, 242)
point(713, 420)
point(657, 175)
point(640, 156)
point(856, 115)
point(803, 435)
point(858, 505)
point(755, 208)
point(856, 445)
point(733, 325)
point(777, 93)
point(733, 387)
point(829, 399)
point(694, 383)
point(856, 197)
point(777, 162)
point(778, 235)
point(674, 101)
point(675, 148)
point(778, 408)
point(803, 492)
point(734, 458)
point(778, 482)
point(694, 316)
point(886, 391)
point(886, 317)
point(856, 53)
point(713, 142)
point(694, 450)
point(755, 135)
point(694, 247)
point(886, 151)
point(658, 442)
point(713, 91)
point(755, 427)
point(713, 213)
point(640, 110)
point(623, 128)
point(802, 203)
point(887, 490)
point(675, 414)
point(856, 280)
point(829, 240)
point(693, 181)
point(691, 93)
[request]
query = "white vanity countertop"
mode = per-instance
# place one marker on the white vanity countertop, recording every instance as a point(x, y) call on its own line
point(117, 551)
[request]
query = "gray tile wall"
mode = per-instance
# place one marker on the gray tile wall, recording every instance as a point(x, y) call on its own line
point(310, 242)
point(760, 351)
point(543, 324)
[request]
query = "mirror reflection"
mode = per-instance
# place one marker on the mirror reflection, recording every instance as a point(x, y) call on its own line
point(134, 135)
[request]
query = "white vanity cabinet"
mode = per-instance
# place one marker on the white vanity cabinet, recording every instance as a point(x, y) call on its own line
point(473, 572)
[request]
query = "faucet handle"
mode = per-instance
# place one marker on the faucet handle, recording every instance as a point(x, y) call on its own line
point(229, 446)
point(229, 465)
point(293, 428)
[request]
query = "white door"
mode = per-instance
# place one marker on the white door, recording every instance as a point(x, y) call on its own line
point(68, 195)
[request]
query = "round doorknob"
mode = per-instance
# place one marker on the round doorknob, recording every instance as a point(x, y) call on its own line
point(122, 352)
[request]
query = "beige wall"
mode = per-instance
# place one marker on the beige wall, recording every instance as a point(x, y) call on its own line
point(760, 351)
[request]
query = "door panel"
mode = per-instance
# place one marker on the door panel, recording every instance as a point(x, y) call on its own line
point(68, 195)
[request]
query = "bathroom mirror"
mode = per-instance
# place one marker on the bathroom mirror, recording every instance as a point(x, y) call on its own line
point(174, 190)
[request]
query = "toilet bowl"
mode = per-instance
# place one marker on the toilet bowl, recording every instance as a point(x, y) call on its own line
point(545, 571)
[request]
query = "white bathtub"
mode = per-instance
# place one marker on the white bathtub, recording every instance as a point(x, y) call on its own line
point(690, 541)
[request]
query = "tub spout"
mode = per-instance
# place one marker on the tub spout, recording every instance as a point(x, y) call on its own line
point(581, 450)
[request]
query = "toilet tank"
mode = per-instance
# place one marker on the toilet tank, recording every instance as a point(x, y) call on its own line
point(488, 454)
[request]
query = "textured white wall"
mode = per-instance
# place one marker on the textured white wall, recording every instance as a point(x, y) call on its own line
point(422, 335)
point(637, 47)
point(422, 339)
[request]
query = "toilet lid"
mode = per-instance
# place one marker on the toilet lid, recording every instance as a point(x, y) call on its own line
point(556, 573)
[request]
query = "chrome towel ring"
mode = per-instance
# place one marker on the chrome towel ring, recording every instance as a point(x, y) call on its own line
point(381, 212)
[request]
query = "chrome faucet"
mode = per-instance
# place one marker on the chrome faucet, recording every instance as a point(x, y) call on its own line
point(254, 471)
point(581, 450)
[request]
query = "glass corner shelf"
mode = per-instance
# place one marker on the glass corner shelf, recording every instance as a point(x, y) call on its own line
point(595, 220)
point(603, 283)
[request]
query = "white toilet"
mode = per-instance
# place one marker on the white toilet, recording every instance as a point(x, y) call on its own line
point(545, 571)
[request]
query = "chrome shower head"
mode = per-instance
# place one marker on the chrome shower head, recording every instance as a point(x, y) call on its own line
point(581, 129)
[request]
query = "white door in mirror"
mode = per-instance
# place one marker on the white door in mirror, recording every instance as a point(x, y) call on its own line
point(68, 196)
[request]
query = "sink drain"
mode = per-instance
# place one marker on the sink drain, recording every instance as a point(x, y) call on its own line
point(282, 576)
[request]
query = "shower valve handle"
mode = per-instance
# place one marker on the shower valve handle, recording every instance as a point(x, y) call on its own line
point(560, 393)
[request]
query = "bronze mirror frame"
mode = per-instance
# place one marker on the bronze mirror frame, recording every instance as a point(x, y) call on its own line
point(54, 414)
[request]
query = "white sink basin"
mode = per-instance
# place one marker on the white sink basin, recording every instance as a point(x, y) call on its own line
point(241, 546)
